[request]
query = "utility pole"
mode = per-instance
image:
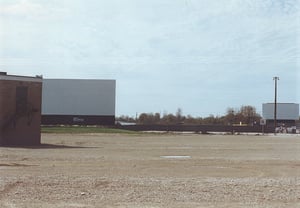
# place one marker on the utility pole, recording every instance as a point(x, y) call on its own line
point(275, 104)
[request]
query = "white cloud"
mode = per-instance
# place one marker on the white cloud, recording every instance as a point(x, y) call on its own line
point(22, 8)
point(163, 41)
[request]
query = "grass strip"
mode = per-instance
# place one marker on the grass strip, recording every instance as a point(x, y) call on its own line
point(84, 129)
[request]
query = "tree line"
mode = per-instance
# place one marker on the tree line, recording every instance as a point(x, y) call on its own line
point(245, 115)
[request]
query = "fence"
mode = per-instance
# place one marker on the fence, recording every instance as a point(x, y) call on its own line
point(198, 128)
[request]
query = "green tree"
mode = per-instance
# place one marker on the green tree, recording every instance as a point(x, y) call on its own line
point(246, 114)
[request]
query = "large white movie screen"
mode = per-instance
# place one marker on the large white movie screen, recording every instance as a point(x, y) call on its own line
point(285, 111)
point(78, 97)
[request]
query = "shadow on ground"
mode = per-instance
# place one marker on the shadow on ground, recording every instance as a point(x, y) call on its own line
point(46, 146)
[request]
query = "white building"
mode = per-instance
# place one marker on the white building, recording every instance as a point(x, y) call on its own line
point(78, 102)
point(287, 113)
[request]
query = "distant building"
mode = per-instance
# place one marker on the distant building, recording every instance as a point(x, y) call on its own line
point(78, 102)
point(287, 113)
point(20, 110)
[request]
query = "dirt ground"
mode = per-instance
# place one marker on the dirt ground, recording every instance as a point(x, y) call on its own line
point(117, 170)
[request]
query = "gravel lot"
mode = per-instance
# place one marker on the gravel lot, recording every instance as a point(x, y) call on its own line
point(118, 170)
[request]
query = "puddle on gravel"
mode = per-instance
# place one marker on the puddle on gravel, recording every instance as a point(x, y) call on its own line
point(176, 157)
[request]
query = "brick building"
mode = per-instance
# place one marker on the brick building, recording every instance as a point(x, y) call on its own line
point(20, 110)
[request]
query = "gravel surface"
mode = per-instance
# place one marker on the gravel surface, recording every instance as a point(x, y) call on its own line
point(111, 170)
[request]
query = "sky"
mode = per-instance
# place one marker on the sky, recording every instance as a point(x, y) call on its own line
point(202, 56)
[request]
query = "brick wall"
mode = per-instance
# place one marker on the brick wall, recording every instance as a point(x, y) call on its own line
point(20, 112)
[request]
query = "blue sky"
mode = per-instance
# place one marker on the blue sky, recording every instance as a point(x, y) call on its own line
point(202, 56)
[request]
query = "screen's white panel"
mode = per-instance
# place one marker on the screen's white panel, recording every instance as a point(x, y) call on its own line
point(285, 111)
point(78, 97)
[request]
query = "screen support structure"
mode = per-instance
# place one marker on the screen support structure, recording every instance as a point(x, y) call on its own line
point(275, 104)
